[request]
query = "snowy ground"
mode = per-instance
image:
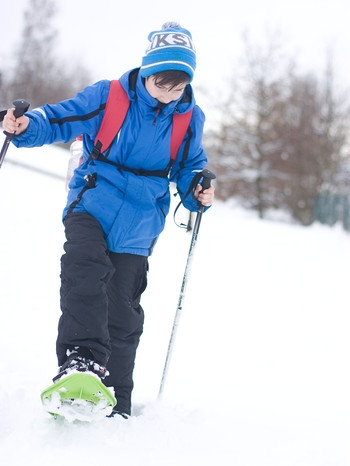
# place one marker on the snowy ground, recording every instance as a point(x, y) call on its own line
point(260, 371)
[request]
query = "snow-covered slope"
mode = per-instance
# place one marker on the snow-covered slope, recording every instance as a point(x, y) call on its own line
point(260, 370)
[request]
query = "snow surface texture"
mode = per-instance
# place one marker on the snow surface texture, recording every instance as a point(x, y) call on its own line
point(260, 370)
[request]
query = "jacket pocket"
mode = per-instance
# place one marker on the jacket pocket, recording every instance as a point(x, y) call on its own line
point(90, 183)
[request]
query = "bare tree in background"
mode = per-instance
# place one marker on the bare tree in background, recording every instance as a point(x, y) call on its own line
point(314, 136)
point(38, 75)
point(247, 146)
point(282, 137)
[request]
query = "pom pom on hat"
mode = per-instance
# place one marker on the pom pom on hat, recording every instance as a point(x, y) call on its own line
point(170, 48)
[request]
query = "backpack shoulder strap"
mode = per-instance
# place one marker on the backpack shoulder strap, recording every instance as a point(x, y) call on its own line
point(181, 123)
point(117, 106)
point(115, 112)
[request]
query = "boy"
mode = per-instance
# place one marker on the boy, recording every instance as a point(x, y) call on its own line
point(117, 204)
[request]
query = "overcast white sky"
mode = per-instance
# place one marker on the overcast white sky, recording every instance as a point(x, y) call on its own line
point(110, 36)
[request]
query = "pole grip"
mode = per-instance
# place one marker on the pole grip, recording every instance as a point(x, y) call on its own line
point(21, 106)
point(207, 177)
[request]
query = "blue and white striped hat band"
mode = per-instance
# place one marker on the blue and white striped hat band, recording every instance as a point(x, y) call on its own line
point(171, 48)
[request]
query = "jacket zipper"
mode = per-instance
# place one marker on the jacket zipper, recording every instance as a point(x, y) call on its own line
point(156, 116)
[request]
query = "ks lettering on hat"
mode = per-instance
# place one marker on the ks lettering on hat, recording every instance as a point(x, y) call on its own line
point(169, 39)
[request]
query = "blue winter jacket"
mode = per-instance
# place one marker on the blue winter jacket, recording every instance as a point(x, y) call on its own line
point(130, 208)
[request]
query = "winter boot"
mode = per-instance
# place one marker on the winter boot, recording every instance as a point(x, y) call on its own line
point(80, 361)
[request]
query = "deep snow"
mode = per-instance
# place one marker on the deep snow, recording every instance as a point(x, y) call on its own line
point(260, 369)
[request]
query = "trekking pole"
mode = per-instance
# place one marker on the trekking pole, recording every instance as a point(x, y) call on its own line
point(21, 106)
point(207, 177)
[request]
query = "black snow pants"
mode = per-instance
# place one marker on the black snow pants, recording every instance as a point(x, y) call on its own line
point(100, 303)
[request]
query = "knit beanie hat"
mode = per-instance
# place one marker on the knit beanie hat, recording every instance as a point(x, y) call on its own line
point(171, 48)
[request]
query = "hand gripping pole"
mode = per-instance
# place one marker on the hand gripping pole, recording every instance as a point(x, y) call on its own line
point(21, 106)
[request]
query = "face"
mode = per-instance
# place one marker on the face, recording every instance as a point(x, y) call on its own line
point(164, 94)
